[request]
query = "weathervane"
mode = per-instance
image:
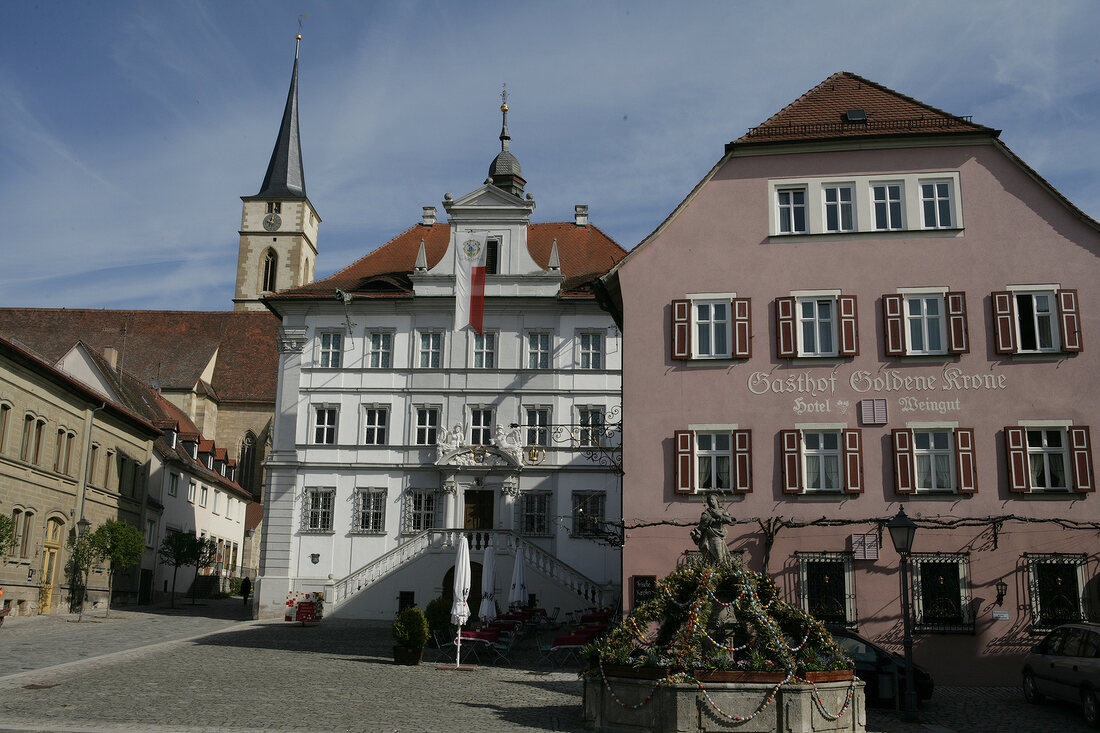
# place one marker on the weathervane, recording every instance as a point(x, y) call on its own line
point(504, 94)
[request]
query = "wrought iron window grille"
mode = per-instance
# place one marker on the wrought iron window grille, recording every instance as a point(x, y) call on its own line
point(941, 593)
point(1056, 588)
point(826, 589)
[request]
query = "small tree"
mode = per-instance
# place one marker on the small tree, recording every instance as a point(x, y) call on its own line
point(83, 554)
point(122, 544)
point(207, 553)
point(178, 549)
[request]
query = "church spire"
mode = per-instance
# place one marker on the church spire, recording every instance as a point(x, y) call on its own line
point(504, 171)
point(285, 177)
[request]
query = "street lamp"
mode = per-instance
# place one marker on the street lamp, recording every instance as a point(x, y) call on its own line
point(902, 531)
point(82, 527)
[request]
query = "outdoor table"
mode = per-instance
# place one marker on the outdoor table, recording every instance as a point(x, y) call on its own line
point(504, 625)
point(596, 616)
point(489, 636)
point(577, 637)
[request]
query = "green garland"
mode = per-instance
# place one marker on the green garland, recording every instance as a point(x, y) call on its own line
point(675, 630)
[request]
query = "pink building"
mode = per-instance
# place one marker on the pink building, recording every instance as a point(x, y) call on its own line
point(867, 304)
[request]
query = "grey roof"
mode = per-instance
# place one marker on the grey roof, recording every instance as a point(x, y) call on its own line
point(285, 176)
point(505, 164)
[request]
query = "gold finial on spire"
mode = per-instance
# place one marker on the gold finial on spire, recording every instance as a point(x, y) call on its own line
point(504, 98)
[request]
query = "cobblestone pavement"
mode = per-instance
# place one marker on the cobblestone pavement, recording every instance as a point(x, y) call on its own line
point(337, 676)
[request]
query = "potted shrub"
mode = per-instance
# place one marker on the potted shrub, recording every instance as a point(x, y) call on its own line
point(438, 613)
point(410, 634)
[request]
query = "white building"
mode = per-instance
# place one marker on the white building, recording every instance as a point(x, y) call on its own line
point(395, 431)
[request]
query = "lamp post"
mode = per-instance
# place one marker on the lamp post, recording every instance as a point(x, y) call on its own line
point(902, 530)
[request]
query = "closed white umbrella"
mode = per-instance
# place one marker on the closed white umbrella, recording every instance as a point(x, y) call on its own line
point(460, 611)
point(488, 610)
point(518, 594)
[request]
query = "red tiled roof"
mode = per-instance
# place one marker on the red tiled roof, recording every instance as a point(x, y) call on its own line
point(584, 253)
point(819, 114)
point(170, 348)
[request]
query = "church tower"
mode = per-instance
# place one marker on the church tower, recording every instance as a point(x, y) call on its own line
point(278, 225)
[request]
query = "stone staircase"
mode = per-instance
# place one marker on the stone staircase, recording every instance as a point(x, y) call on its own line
point(505, 543)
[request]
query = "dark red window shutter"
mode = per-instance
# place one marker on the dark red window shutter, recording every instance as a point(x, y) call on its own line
point(790, 443)
point(786, 343)
point(1019, 477)
point(853, 460)
point(1071, 320)
point(958, 340)
point(742, 328)
point(742, 460)
point(1081, 448)
point(965, 466)
point(893, 321)
point(684, 444)
point(1004, 322)
point(681, 329)
point(848, 325)
point(904, 477)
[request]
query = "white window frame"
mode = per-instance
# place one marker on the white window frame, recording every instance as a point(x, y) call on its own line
point(539, 349)
point(709, 456)
point(586, 504)
point(380, 350)
point(325, 421)
point(590, 350)
point(927, 323)
point(961, 562)
point(370, 505)
point(819, 455)
point(483, 350)
point(330, 349)
point(786, 209)
point(420, 510)
point(845, 558)
point(376, 419)
point(715, 328)
point(535, 513)
point(204, 494)
point(481, 425)
point(217, 502)
point(1053, 319)
point(430, 350)
point(191, 486)
point(425, 431)
point(839, 205)
point(1045, 453)
point(887, 201)
point(537, 432)
point(939, 200)
point(173, 484)
point(930, 454)
point(800, 321)
point(318, 506)
point(591, 422)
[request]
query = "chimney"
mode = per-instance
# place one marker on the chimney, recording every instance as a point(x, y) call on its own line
point(580, 214)
point(429, 216)
point(110, 353)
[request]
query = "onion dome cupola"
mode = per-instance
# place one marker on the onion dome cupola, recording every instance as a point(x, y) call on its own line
point(504, 172)
point(285, 176)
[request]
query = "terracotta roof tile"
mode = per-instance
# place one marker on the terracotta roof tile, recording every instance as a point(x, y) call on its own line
point(584, 252)
point(819, 114)
point(169, 348)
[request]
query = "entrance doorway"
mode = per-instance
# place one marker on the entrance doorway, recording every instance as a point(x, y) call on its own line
point(479, 510)
point(51, 546)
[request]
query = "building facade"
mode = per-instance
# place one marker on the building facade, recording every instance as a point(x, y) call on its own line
point(398, 427)
point(870, 304)
point(66, 454)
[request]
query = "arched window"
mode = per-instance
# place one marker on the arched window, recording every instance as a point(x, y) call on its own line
point(246, 465)
point(271, 264)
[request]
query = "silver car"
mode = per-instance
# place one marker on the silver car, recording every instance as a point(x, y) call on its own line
point(1066, 666)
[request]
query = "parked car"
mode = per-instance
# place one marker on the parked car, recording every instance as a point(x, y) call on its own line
point(882, 671)
point(1066, 666)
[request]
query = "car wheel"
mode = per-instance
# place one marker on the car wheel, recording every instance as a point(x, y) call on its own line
point(1090, 705)
point(1031, 692)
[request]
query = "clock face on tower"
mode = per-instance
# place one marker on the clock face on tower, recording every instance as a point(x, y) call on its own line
point(272, 222)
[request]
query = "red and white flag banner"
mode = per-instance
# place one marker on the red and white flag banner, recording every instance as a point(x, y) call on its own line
point(470, 281)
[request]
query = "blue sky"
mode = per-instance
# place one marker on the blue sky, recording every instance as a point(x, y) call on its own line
point(129, 131)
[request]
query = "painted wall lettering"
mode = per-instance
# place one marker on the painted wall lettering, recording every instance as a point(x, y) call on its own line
point(912, 404)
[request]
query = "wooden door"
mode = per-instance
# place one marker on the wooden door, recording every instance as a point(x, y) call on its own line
point(51, 546)
point(479, 510)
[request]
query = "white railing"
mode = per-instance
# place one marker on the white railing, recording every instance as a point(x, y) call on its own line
point(444, 540)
